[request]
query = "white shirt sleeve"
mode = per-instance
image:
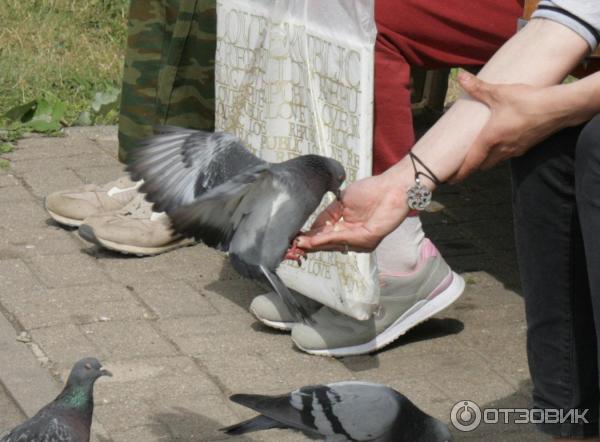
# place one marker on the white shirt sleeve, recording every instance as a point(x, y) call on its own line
point(582, 16)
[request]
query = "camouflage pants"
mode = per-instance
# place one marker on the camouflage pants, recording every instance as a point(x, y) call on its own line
point(169, 68)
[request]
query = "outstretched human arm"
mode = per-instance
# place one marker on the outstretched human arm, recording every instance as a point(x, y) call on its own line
point(540, 55)
point(523, 115)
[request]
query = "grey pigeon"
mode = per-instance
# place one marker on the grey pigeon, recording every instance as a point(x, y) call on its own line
point(343, 411)
point(68, 418)
point(217, 191)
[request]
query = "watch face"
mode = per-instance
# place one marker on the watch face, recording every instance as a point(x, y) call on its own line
point(418, 196)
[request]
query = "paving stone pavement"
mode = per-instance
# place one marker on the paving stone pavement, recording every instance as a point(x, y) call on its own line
point(176, 332)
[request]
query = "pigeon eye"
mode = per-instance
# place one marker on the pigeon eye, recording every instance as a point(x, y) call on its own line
point(88, 366)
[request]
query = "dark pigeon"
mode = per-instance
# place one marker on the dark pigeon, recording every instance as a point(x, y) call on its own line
point(69, 417)
point(343, 411)
point(217, 191)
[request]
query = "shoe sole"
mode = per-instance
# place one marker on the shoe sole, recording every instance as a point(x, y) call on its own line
point(418, 313)
point(281, 326)
point(87, 233)
point(70, 222)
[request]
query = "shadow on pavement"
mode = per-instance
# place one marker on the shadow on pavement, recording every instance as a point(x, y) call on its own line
point(510, 431)
point(430, 329)
point(184, 425)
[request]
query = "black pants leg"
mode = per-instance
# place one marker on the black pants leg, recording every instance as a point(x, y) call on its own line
point(561, 337)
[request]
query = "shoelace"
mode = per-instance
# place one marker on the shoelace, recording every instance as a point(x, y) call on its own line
point(138, 208)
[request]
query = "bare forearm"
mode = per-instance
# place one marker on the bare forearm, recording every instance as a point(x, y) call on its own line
point(541, 54)
point(582, 99)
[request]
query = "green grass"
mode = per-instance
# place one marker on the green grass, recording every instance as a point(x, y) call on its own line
point(60, 49)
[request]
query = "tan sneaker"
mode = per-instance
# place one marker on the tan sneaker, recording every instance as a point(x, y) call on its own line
point(71, 207)
point(135, 229)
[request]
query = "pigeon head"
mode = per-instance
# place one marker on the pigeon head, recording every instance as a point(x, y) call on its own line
point(86, 371)
point(338, 176)
point(80, 385)
point(330, 171)
point(79, 390)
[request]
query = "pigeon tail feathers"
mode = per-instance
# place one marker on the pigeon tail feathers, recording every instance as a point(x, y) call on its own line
point(295, 308)
point(278, 409)
point(257, 423)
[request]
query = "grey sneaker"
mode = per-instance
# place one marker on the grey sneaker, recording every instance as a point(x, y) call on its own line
point(71, 207)
point(271, 310)
point(135, 229)
point(405, 302)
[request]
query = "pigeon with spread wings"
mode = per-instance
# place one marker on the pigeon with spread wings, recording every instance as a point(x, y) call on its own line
point(217, 191)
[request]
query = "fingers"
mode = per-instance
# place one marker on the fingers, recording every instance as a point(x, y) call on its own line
point(476, 88)
point(355, 240)
point(495, 157)
point(331, 214)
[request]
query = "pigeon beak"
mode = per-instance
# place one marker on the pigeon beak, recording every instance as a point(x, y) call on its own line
point(338, 194)
point(105, 372)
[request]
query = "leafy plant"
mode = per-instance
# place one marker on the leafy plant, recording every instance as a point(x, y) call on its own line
point(39, 115)
point(104, 108)
point(6, 148)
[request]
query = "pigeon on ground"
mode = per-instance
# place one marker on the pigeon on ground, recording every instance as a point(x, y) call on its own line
point(217, 191)
point(68, 418)
point(343, 411)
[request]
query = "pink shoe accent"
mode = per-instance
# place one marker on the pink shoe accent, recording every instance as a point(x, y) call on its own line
point(441, 287)
point(428, 250)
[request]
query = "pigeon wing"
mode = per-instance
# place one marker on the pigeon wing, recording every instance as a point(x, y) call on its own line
point(178, 165)
point(278, 409)
point(42, 428)
point(358, 410)
point(216, 215)
point(257, 423)
point(28, 430)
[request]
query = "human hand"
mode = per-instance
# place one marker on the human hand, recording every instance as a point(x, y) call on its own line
point(521, 116)
point(369, 209)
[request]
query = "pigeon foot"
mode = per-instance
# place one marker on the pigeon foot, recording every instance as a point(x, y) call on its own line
point(295, 253)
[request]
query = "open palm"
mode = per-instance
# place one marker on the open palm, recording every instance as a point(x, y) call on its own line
point(367, 212)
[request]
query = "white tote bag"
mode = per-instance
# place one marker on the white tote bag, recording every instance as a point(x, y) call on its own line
point(295, 77)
